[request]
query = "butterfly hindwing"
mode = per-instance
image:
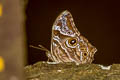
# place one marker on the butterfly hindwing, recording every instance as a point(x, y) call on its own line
point(67, 44)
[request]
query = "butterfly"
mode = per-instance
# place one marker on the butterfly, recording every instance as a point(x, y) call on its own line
point(67, 43)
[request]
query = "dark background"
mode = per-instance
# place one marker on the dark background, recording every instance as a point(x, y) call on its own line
point(98, 21)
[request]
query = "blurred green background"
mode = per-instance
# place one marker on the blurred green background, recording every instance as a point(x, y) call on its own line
point(98, 21)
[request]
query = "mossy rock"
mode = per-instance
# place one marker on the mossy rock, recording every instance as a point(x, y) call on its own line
point(71, 71)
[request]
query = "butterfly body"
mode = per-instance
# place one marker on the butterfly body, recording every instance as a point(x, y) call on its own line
point(67, 44)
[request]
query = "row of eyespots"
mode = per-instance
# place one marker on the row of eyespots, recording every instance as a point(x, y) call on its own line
point(1, 59)
point(1, 64)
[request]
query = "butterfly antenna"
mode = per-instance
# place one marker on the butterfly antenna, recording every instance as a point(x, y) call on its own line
point(40, 47)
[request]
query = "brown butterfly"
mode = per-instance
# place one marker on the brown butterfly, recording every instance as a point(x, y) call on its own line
point(67, 44)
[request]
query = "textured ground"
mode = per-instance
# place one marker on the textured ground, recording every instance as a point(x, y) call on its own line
point(71, 71)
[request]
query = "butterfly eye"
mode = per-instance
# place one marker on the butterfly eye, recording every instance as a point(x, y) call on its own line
point(72, 42)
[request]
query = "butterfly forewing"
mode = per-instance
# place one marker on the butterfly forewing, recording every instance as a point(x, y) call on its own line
point(67, 44)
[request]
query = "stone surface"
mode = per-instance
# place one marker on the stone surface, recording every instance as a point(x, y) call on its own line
point(71, 71)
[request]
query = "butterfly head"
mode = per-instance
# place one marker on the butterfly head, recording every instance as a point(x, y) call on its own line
point(67, 44)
